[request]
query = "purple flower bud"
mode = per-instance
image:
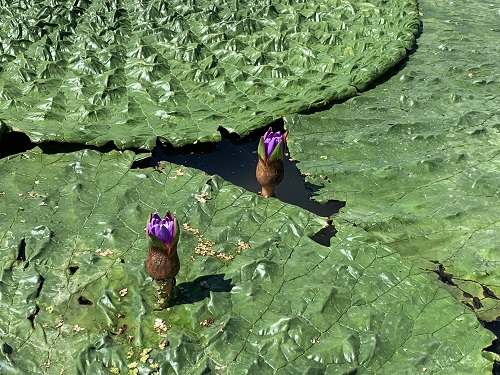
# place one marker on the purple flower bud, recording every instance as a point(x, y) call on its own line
point(272, 145)
point(164, 229)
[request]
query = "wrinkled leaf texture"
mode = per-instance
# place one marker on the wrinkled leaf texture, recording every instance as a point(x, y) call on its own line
point(75, 297)
point(256, 293)
point(131, 71)
point(417, 158)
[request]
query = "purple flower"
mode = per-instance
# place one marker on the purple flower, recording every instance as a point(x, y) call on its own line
point(165, 230)
point(272, 146)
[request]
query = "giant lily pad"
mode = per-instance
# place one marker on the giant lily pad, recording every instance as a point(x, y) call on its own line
point(256, 293)
point(417, 158)
point(129, 71)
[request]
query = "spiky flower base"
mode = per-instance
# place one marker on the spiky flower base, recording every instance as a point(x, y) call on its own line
point(269, 175)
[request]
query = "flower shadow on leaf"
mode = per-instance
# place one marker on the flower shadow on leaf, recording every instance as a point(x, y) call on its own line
point(200, 288)
point(313, 188)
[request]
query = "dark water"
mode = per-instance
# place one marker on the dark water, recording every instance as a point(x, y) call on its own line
point(235, 161)
point(236, 164)
point(493, 327)
point(232, 159)
point(495, 345)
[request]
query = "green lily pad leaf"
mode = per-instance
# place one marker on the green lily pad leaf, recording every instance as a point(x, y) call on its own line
point(134, 71)
point(255, 292)
point(417, 158)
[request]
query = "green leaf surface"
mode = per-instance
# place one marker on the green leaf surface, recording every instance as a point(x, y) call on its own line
point(128, 71)
point(417, 158)
point(256, 293)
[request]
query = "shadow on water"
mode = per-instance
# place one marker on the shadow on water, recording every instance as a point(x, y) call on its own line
point(200, 288)
point(13, 143)
point(235, 160)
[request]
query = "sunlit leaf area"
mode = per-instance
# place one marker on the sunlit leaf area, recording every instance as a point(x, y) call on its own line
point(389, 106)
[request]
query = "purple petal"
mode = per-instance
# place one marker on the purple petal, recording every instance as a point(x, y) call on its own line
point(271, 140)
point(172, 232)
point(153, 230)
point(164, 234)
point(270, 135)
point(155, 220)
point(163, 229)
point(267, 134)
point(271, 146)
